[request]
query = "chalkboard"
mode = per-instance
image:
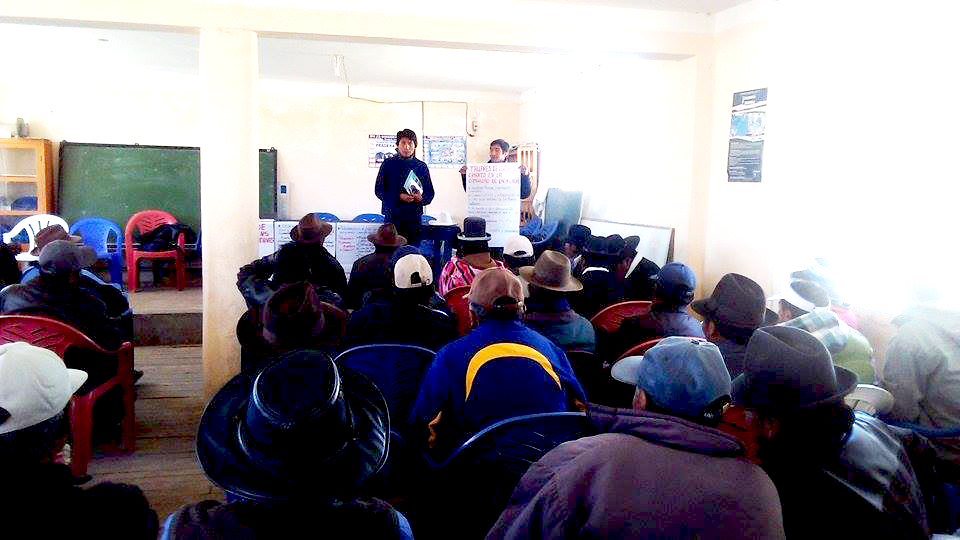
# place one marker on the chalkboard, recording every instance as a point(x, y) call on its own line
point(115, 181)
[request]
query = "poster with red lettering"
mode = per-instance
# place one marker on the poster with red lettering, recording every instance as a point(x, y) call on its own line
point(493, 193)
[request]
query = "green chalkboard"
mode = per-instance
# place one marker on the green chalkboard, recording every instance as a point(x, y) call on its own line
point(115, 181)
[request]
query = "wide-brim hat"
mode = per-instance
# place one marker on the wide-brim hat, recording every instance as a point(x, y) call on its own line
point(474, 230)
point(49, 234)
point(444, 219)
point(294, 314)
point(551, 271)
point(578, 234)
point(386, 236)
point(789, 368)
point(737, 302)
point(324, 450)
point(310, 230)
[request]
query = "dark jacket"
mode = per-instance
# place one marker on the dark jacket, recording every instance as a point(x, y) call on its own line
point(73, 304)
point(390, 180)
point(560, 324)
point(600, 289)
point(866, 490)
point(400, 322)
point(298, 261)
point(370, 272)
point(361, 518)
point(9, 268)
point(43, 498)
point(639, 284)
point(733, 355)
point(647, 476)
point(662, 321)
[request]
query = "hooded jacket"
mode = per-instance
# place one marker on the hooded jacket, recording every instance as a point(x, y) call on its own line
point(922, 371)
point(648, 476)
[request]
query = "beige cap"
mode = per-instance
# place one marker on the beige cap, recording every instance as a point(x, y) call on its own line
point(35, 385)
point(492, 286)
point(412, 271)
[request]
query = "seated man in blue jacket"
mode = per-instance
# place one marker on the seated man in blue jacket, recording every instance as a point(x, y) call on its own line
point(500, 370)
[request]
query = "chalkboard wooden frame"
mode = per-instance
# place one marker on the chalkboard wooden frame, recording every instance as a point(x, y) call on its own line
point(75, 188)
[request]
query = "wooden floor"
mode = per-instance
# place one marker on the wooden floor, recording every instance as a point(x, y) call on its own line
point(168, 407)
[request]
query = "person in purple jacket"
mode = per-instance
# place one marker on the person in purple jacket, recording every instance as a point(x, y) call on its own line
point(659, 471)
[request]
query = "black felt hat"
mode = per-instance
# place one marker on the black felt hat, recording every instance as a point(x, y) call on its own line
point(737, 302)
point(300, 429)
point(474, 230)
point(789, 368)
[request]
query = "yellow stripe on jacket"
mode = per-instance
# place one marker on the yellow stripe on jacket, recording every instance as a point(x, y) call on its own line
point(504, 350)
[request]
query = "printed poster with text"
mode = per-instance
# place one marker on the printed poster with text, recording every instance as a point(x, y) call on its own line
point(493, 193)
point(748, 122)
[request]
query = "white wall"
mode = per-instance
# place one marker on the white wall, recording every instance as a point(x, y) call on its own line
point(321, 139)
point(623, 134)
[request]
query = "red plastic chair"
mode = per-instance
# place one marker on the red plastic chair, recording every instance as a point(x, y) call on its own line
point(58, 337)
point(144, 222)
point(641, 348)
point(610, 318)
point(456, 299)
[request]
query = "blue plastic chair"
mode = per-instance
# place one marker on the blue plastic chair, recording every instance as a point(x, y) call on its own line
point(396, 369)
point(326, 216)
point(96, 233)
point(491, 463)
point(425, 219)
point(369, 218)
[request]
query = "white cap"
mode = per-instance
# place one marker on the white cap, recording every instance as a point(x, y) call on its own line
point(518, 246)
point(412, 271)
point(35, 385)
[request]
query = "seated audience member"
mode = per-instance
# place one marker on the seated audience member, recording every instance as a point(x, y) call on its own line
point(821, 273)
point(57, 294)
point(305, 259)
point(116, 301)
point(518, 253)
point(9, 268)
point(672, 293)
point(472, 258)
point(372, 271)
point(839, 474)
point(295, 317)
point(806, 305)
point(730, 315)
point(600, 286)
point(293, 448)
point(573, 244)
point(660, 470)
point(640, 282)
point(499, 370)
point(922, 370)
point(39, 494)
point(405, 316)
point(549, 311)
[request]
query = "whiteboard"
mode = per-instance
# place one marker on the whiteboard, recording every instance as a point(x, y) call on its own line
point(656, 243)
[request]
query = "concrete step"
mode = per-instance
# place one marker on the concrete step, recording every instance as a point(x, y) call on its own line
point(167, 316)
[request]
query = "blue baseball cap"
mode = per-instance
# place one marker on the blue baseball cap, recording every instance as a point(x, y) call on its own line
point(677, 281)
point(680, 374)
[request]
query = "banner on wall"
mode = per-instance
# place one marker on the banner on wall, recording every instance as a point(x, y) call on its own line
point(352, 243)
point(493, 193)
point(266, 243)
point(445, 152)
point(747, 126)
point(281, 234)
point(379, 148)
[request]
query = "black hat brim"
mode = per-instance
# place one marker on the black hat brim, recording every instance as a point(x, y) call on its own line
point(338, 478)
point(846, 382)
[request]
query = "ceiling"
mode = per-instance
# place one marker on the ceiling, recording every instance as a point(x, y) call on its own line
point(688, 6)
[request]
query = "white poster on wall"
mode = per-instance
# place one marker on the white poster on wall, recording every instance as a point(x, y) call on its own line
point(493, 193)
point(266, 243)
point(379, 148)
point(281, 233)
point(352, 242)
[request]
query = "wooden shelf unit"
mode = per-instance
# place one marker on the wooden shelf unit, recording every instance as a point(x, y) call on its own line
point(41, 177)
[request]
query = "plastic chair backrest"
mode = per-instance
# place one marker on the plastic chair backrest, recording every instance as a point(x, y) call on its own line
point(562, 206)
point(96, 233)
point(549, 232)
point(146, 221)
point(610, 318)
point(31, 225)
point(640, 348)
point(326, 216)
point(47, 333)
point(396, 369)
point(369, 218)
point(425, 219)
point(456, 299)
